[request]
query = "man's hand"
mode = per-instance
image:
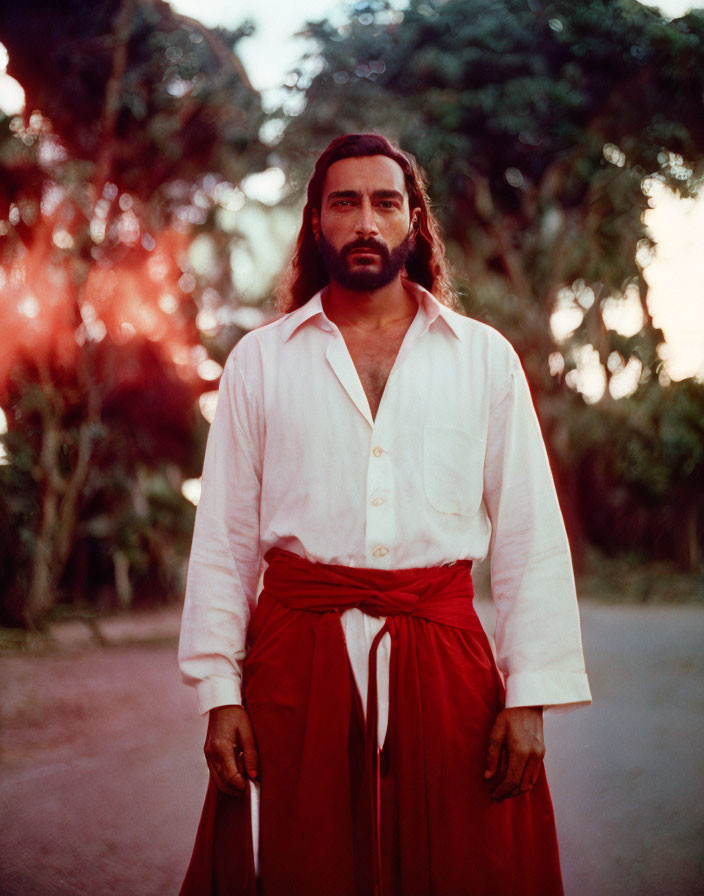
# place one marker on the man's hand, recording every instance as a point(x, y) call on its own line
point(516, 751)
point(230, 749)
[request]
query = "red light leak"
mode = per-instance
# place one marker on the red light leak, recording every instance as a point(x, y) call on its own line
point(45, 314)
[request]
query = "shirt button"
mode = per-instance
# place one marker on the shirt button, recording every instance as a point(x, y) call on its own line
point(377, 501)
point(377, 451)
point(381, 551)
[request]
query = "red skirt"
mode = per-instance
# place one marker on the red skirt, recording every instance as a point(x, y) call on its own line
point(338, 817)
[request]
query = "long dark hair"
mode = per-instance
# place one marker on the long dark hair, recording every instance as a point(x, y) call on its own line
point(426, 264)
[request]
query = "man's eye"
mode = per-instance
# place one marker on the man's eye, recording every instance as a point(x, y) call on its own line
point(387, 203)
point(342, 202)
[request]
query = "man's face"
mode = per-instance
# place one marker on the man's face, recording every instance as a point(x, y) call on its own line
point(363, 226)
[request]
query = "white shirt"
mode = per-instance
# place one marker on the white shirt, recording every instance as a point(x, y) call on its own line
point(453, 466)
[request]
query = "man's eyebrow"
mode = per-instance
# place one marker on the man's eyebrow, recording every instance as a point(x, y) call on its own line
point(388, 194)
point(342, 194)
point(354, 194)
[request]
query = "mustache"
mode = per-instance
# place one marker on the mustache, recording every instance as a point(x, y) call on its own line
point(365, 244)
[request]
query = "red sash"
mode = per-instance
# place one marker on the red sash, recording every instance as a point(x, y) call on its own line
point(340, 818)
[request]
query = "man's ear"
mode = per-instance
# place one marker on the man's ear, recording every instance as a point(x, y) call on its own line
point(413, 228)
point(315, 223)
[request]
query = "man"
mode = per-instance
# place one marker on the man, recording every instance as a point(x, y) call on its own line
point(367, 446)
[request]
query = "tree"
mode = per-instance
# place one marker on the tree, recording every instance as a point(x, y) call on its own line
point(544, 127)
point(147, 123)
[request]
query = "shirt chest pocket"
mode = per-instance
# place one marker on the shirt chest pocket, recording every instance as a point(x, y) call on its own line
point(453, 469)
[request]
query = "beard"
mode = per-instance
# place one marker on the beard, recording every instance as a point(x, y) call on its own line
point(362, 280)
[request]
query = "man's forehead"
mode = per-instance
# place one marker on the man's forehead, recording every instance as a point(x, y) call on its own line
point(365, 174)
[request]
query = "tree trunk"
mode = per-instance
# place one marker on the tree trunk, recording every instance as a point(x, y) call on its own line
point(42, 595)
point(60, 502)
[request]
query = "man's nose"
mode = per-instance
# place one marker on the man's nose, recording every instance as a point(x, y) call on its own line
point(366, 222)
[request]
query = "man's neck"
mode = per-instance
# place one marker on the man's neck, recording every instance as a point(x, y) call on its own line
point(368, 310)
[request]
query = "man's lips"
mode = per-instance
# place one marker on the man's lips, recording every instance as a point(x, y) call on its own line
point(364, 253)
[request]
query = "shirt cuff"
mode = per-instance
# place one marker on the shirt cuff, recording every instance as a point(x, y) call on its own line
point(559, 693)
point(213, 692)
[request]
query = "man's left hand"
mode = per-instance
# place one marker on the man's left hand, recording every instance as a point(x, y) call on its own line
point(516, 751)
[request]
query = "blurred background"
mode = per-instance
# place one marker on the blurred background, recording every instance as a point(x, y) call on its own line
point(153, 162)
point(153, 159)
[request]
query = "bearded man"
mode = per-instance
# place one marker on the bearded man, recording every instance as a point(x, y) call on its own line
point(367, 447)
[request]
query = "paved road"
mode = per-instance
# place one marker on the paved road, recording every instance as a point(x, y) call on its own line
point(102, 776)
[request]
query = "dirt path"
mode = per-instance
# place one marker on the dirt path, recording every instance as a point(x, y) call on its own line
point(103, 777)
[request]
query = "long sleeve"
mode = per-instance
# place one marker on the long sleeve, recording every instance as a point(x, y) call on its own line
point(538, 637)
point(224, 563)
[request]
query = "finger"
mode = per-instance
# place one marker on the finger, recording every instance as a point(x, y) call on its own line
point(231, 770)
point(502, 768)
point(239, 761)
point(223, 785)
point(249, 749)
point(223, 781)
point(527, 778)
point(223, 765)
point(496, 740)
point(503, 764)
point(511, 783)
point(530, 775)
point(522, 786)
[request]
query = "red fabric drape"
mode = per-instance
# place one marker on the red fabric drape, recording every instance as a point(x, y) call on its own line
point(339, 818)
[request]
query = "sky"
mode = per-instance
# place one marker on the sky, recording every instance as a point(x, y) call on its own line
point(676, 275)
point(271, 52)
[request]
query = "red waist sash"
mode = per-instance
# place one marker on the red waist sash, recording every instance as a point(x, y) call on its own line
point(340, 817)
point(440, 594)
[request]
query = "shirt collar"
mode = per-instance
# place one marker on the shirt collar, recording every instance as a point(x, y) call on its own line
point(434, 309)
point(430, 306)
point(296, 318)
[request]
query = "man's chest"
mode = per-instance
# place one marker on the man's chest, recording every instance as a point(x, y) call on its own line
point(373, 356)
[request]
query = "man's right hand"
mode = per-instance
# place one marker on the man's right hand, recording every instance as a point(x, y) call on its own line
point(230, 749)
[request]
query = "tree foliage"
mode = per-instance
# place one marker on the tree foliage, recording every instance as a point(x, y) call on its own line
point(544, 127)
point(139, 125)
